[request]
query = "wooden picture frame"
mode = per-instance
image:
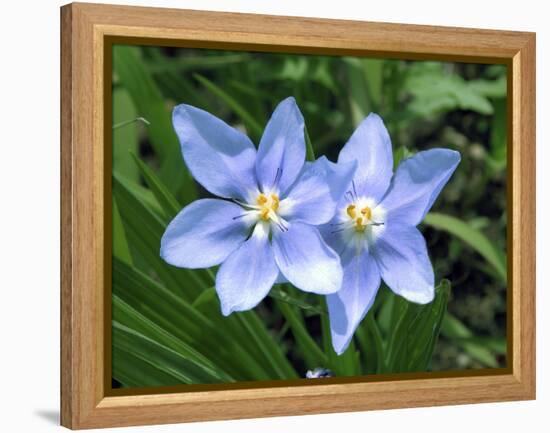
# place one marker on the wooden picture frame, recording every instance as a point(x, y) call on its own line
point(87, 33)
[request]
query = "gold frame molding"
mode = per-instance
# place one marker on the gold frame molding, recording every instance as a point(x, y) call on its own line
point(87, 34)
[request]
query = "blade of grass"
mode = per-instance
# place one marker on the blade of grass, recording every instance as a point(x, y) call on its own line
point(310, 153)
point(251, 123)
point(416, 331)
point(374, 332)
point(207, 334)
point(472, 237)
point(257, 332)
point(144, 231)
point(278, 293)
point(184, 63)
point(267, 345)
point(312, 354)
point(454, 330)
point(159, 357)
point(149, 103)
point(125, 134)
point(120, 244)
point(128, 316)
point(164, 197)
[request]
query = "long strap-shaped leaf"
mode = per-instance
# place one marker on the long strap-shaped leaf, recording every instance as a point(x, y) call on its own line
point(150, 104)
point(414, 332)
point(177, 317)
point(158, 361)
point(128, 316)
point(472, 237)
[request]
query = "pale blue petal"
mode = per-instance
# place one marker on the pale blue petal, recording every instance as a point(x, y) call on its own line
point(403, 261)
point(247, 275)
point(203, 234)
point(220, 158)
point(317, 192)
point(350, 304)
point(333, 236)
point(306, 260)
point(417, 183)
point(282, 149)
point(370, 146)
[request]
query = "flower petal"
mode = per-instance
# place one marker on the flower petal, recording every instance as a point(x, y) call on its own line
point(282, 149)
point(317, 192)
point(403, 261)
point(370, 145)
point(350, 304)
point(203, 234)
point(417, 183)
point(240, 290)
point(219, 157)
point(306, 260)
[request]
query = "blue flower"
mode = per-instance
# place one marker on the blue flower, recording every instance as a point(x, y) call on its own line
point(374, 229)
point(263, 229)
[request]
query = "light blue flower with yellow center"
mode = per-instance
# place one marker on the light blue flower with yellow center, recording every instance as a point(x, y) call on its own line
point(263, 227)
point(374, 229)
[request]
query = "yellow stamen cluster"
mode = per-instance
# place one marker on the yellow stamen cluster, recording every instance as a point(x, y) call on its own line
point(267, 205)
point(362, 219)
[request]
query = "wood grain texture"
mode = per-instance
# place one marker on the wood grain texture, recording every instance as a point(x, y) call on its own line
point(85, 27)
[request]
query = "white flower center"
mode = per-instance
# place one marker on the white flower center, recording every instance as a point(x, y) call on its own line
point(361, 222)
point(263, 209)
point(268, 205)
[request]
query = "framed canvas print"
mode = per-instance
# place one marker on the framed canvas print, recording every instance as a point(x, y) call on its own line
point(269, 216)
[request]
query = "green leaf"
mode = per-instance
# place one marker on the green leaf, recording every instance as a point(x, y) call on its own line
point(209, 334)
point(128, 316)
point(263, 342)
point(120, 244)
point(130, 69)
point(310, 153)
point(162, 364)
point(125, 138)
point(206, 296)
point(490, 88)
point(365, 87)
point(376, 337)
point(472, 237)
point(477, 348)
point(202, 62)
point(144, 195)
point(132, 371)
point(166, 200)
point(252, 124)
point(498, 138)
point(144, 230)
point(399, 155)
point(415, 331)
point(277, 292)
point(311, 353)
point(435, 91)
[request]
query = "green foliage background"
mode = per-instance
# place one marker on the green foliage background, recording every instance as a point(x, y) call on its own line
point(167, 327)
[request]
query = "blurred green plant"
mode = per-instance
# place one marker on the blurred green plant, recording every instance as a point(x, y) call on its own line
point(167, 325)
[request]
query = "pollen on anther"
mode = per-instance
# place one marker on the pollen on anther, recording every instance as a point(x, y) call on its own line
point(351, 211)
point(262, 199)
point(274, 202)
point(359, 226)
point(264, 214)
point(366, 212)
